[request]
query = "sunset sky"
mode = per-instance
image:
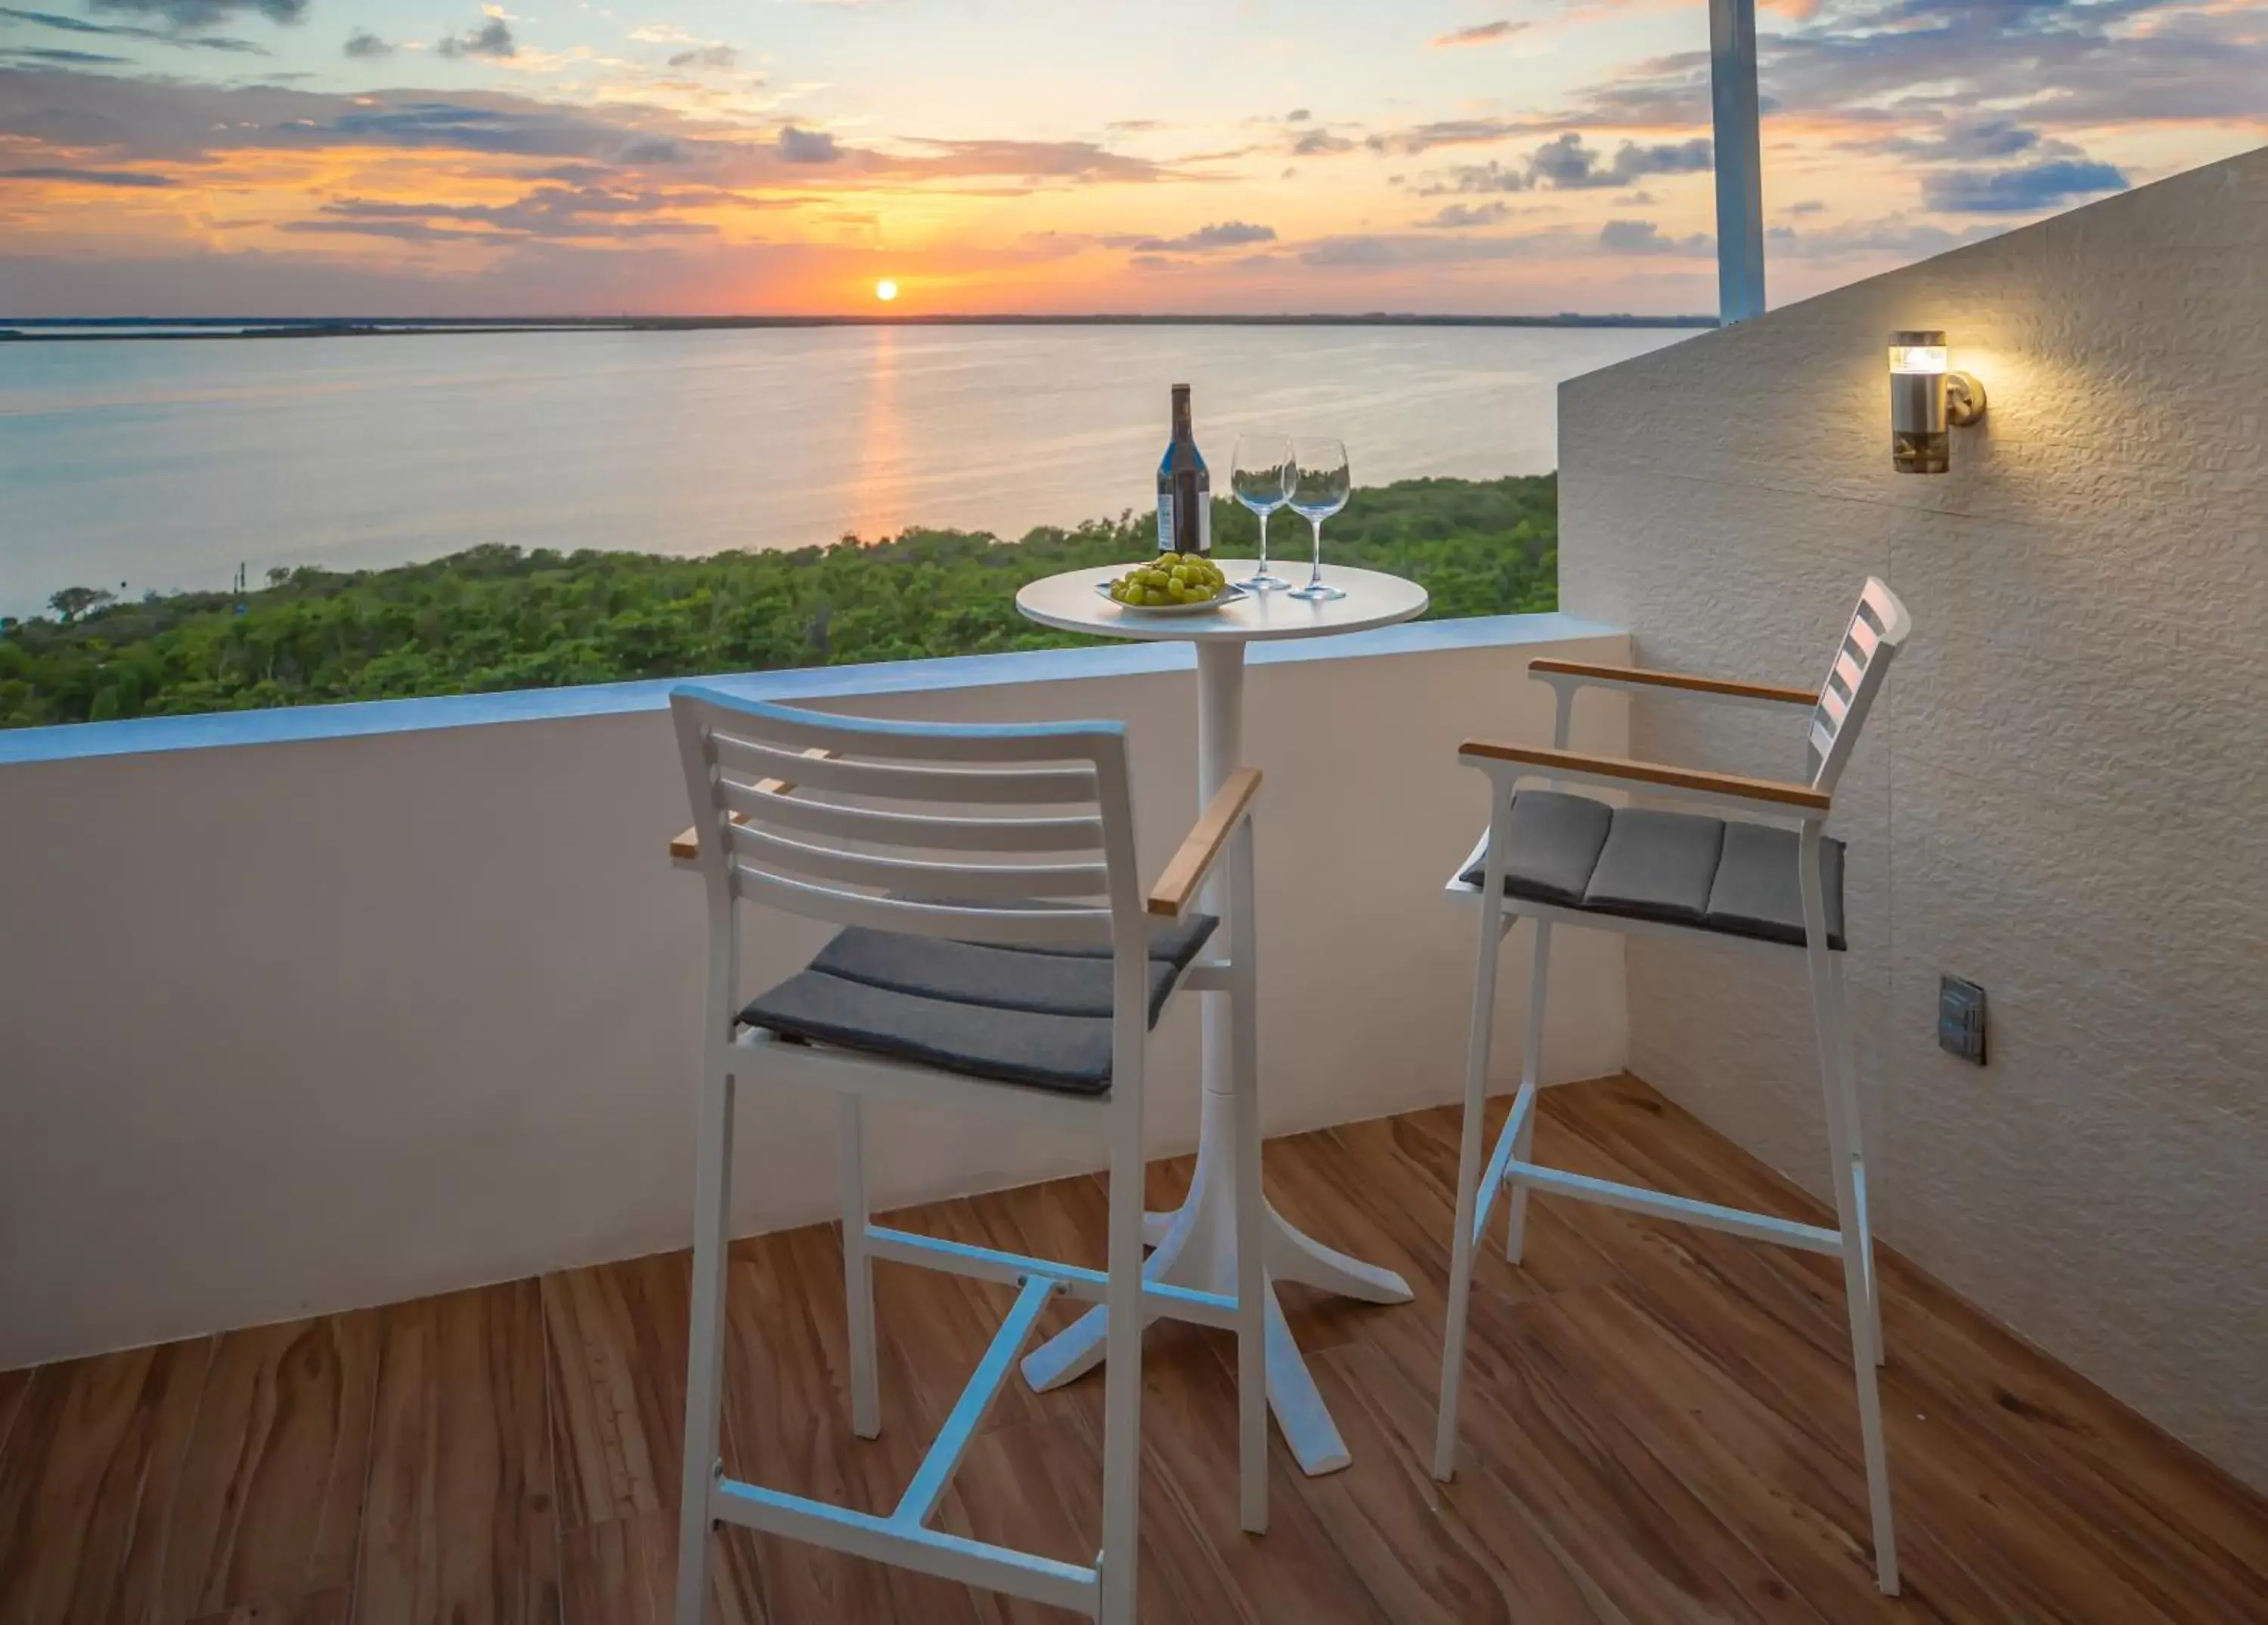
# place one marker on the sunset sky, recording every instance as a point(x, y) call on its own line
point(439, 157)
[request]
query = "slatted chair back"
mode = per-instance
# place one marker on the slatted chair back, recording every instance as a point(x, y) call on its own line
point(1862, 659)
point(1012, 835)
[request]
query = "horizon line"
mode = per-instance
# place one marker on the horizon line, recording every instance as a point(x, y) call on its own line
point(635, 321)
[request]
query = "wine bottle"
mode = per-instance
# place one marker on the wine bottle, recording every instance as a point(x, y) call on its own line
point(1184, 487)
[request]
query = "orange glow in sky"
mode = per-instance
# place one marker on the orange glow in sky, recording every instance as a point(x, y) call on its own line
point(704, 157)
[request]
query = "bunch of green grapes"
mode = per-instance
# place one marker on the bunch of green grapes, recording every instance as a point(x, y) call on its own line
point(1170, 578)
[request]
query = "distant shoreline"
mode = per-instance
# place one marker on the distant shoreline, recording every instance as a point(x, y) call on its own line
point(53, 329)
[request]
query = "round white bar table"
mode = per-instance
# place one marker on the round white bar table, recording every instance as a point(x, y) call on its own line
point(1195, 1245)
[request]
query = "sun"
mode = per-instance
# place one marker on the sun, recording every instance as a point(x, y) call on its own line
point(885, 291)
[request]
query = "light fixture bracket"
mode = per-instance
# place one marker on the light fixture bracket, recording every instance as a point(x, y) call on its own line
point(1965, 400)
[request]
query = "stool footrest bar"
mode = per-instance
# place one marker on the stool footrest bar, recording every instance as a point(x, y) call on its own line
point(1089, 1286)
point(968, 1412)
point(926, 1551)
point(1683, 1211)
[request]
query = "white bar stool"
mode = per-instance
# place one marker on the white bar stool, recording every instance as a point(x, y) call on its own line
point(1020, 978)
point(1745, 880)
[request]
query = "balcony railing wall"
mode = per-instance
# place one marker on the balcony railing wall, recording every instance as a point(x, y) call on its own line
point(346, 1017)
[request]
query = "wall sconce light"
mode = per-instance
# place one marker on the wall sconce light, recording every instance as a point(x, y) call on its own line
point(1924, 398)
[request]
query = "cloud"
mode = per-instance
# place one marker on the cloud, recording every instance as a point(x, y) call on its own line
point(1482, 33)
point(1036, 160)
point(185, 14)
point(1134, 126)
point(1321, 142)
point(1461, 216)
point(400, 231)
point(1974, 176)
point(2101, 59)
point(1490, 177)
point(1297, 115)
point(1645, 237)
point(130, 178)
point(1204, 239)
point(1967, 141)
point(1895, 63)
point(528, 129)
point(549, 213)
point(1449, 133)
point(95, 120)
point(663, 34)
point(1566, 164)
point(1893, 235)
point(150, 120)
point(126, 30)
point(2022, 190)
point(1228, 234)
point(573, 174)
point(808, 146)
point(363, 45)
point(62, 59)
point(50, 19)
point(492, 38)
point(707, 57)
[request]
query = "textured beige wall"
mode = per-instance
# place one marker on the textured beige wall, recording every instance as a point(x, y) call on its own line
point(2064, 795)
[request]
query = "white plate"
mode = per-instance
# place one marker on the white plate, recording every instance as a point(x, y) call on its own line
point(1228, 594)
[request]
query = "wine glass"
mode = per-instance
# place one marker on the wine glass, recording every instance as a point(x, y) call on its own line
point(1260, 473)
point(1320, 485)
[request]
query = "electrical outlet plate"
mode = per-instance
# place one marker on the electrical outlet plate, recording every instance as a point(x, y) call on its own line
point(1961, 1018)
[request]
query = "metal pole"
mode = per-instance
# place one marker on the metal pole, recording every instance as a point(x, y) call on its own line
point(1740, 161)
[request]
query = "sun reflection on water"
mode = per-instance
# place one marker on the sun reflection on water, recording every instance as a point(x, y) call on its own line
point(878, 488)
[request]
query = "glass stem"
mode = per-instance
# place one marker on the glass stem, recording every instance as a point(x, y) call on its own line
point(1262, 517)
point(1315, 576)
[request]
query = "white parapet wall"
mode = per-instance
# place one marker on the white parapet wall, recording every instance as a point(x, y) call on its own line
point(311, 1009)
point(2063, 797)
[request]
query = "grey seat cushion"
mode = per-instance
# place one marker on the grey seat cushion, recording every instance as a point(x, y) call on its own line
point(1554, 846)
point(1758, 891)
point(967, 973)
point(1657, 866)
point(1734, 879)
point(1019, 1014)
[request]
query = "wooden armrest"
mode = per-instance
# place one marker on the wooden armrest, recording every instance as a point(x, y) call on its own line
point(686, 842)
point(1207, 839)
point(1579, 764)
point(1638, 677)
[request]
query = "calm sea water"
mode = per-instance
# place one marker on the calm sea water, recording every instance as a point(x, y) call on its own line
point(166, 465)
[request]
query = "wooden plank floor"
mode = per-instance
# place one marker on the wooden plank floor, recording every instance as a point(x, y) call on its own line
point(1659, 1427)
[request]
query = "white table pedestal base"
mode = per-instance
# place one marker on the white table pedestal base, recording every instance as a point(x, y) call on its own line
point(1195, 1245)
